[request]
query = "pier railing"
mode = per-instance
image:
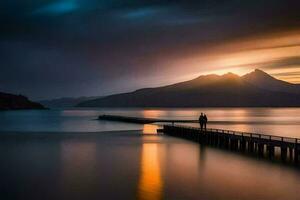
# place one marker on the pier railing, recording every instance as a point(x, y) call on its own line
point(290, 140)
point(260, 144)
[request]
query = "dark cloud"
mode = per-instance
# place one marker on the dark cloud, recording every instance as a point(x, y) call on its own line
point(290, 62)
point(288, 74)
point(285, 62)
point(76, 47)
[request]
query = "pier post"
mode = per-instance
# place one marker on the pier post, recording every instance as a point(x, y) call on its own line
point(283, 153)
point(223, 141)
point(243, 144)
point(250, 146)
point(260, 149)
point(200, 136)
point(233, 143)
point(219, 140)
point(271, 150)
point(226, 140)
point(296, 154)
point(290, 153)
point(216, 137)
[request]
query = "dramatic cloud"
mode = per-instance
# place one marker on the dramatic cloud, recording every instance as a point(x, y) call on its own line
point(76, 47)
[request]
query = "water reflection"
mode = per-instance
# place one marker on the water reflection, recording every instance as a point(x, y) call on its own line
point(78, 166)
point(153, 113)
point(150, 184)
point(150, 129)
point(275, 121)
point(135, 166)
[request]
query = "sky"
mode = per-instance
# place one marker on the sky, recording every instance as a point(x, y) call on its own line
point(71, 48)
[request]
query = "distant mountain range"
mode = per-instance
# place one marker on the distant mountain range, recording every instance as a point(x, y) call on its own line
point(256, 89)
point(65, 102)
point(17, 102)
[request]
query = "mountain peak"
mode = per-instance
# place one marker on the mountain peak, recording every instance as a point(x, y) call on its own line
point(259, 71)
point(217, 77)
point(263, 80)
point(230, 75)
point(257, 74)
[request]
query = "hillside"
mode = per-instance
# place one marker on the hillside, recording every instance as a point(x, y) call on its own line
point(228, 90)
point(65, 102)
point(17, 102)
point(263, 80)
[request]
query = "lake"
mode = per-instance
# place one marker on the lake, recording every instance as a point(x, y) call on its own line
point(67, 154)
point(275, 121)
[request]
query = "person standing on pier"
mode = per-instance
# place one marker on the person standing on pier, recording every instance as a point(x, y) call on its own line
point(204, 121)
point(201, 121)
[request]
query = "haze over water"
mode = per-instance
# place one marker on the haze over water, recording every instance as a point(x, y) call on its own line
point(275, 121)
point(132, 162)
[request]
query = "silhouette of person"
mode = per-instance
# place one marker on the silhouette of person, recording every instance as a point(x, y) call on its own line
point(204, 121)
point(201, 121)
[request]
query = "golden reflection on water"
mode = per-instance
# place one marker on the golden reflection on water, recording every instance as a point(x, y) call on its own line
point(150, 184)
point(150, 129)
point(153, 113)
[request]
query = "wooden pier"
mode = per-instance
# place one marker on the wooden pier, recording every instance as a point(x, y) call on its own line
point(260, 144)
point(140, 120)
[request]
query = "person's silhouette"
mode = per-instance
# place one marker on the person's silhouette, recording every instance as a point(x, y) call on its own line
point(201, 121)
point(204, 121)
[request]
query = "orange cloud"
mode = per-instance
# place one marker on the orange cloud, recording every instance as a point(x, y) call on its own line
point(270, 52)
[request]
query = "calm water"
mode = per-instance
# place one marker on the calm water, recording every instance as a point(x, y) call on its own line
point(276, 121)
point(122, 164)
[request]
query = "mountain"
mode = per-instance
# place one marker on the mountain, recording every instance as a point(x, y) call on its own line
point(263, 80)
point(229, 90)
point(17, 102)
point(65, 102)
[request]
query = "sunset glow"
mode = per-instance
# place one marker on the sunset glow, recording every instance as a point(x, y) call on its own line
point(150, 99)
point(277, 54)
point(145, 44)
